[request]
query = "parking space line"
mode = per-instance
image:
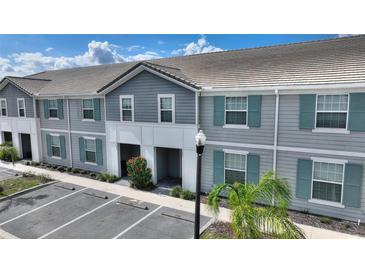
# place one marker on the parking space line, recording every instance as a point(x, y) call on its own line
point(136, 223)
point(38, 208)
point(78, 218)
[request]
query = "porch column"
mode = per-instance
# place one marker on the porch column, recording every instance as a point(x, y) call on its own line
point(148, 152)
point(17, 143)
point(189, 169)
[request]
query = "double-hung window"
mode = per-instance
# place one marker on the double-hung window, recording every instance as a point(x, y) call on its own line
point(234, 167)
point(332, 111)
point(21, 107)
point(126, 111)
point(236, 110)
point(53, 109)
point(3, 106)
point(166, 105)
point(55, 146)
point(90, 150)
point(88, 109)
point(327, 184)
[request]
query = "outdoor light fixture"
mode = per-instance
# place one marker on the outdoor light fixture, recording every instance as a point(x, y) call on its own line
point(200, 140)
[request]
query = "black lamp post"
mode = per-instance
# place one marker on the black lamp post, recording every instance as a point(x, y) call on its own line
point(200, 140)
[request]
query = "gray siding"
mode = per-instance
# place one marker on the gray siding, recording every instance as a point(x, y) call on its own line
point(54, 161)
point(291, 135)
point(262, 135)
point(287, 168)
point(11, 93)
point(53, 124)
point(76, 117)
point(145, 87)
point(76, 153)
point(266, 157)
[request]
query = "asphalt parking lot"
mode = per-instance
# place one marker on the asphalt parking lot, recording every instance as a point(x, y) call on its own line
point(66, 211)
point(6, 173)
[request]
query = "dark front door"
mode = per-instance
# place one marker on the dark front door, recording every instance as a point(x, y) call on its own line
point(8, 137)
point(26, 146)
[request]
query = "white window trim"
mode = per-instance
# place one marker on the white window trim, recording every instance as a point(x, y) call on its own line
point(25, 111)
point(6, 107)
point(245, 153)
point(332, 130)
point(330, 161)
point(172, 96)
point(82, 111)
point(225, 111)
point(121, 97)
point(55, 157)
point(93, 139)
point(49, 110)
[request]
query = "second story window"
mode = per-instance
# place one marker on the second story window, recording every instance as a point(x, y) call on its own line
point(126, 111)
point(3, 106)
point(88, 109)
point(21, 107)
point(166, 105)
point(236, 110)
point(332, 111)
point(53, 108)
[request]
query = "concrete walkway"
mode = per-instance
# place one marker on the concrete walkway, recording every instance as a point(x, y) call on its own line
point(160, 199)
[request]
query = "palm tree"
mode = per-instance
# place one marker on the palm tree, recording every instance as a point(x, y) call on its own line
point(253, 221)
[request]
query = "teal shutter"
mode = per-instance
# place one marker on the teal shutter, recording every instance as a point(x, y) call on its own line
point(97, 110)
point(60, 108)
point(254, 110)
point(49, 142)
point(253, 168)
point(63, 147)
point(82, 149)
point(45, 108)
point(307, 110)
point(357, 112)
point(218, 167)
point(352, 185)
point(99, 152)
point(304, 179)
point(219, 108)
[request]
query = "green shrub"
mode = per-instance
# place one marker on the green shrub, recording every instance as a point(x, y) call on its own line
point(139, 174)
point(61, 168)
point(6, 144)
point(75, 170)
point(68, 169)
point(9, 154)
point(187, 195)
point(44, 178)
point(1, 189)
point(27, 163)
point(28, 174)
point(176, 191)
point(107, 177)
point(325, 220)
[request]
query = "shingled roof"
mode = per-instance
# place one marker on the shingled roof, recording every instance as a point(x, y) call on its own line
point(332, 61)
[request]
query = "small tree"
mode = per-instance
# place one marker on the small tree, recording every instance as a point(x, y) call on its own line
point(139, 174)
point(9, 153)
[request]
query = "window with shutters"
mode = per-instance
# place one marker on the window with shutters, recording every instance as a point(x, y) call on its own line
point(166, 106)
point(332, 111)
point(55, 146)
point(234, 167)
point(327, 182)
point(21, 107)
point(4, 107)
point(90, 150)
point(236, 111)
point(127, 109)
point(53, 109)
point(88, 109)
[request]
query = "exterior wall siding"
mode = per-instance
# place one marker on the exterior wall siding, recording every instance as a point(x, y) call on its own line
point(262, 135)
point(53, 124)
point(11, 94)
point(145, 87)
point(291, 135)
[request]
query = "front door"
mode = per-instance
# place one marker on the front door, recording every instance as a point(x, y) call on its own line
point(26, 146)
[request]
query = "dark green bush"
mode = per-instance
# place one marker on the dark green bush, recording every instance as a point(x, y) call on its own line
point(176, 191)
point(107, 177)
point(68, 169)
point(325, 220)
point(1, 189)
point(139, 174)
point(75, 170)
point(187, 195)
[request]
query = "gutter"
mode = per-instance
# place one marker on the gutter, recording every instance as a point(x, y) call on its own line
point(276, 129)
point(69, 130)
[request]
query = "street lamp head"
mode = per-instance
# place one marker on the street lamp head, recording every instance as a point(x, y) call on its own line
point(200, 138)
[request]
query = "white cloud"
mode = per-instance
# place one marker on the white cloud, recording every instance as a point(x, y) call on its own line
point(345, 35)
point(200, 46)
point(48, 49)
point(134, 48)
point(25, 63)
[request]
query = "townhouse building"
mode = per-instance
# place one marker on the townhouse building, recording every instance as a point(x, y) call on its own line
point(297, 109)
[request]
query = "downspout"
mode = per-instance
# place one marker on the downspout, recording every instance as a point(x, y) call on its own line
point(276, 130)
point(69, 130)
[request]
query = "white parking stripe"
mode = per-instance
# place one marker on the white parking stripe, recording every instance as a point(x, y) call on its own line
point(136, 223)
point(78, 218)
point(38, 208)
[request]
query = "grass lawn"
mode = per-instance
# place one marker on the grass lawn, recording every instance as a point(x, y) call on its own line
point(14, 185)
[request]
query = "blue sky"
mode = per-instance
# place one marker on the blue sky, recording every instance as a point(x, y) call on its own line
point(26, 54)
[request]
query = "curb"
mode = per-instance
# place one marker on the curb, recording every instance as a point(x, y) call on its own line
point(26, 191)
